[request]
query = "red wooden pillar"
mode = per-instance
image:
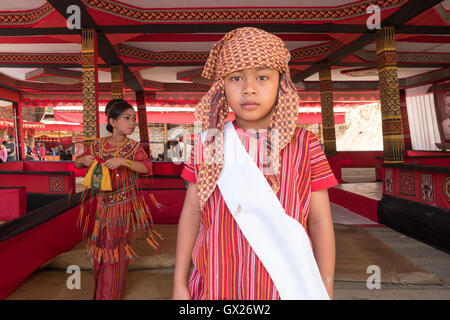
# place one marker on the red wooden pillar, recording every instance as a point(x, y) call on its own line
point(18, 132)
point(407, 145)
point(329, 133)
point(142, 118)
point(389, 96)
point(117, 82)
point(91, 118)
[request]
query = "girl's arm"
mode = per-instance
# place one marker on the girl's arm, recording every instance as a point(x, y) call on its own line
point(140, 163)
point(137, 166)
point(188, 227)
point(321, 232)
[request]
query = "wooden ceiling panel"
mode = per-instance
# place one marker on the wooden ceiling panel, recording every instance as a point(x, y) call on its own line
point(22, 5)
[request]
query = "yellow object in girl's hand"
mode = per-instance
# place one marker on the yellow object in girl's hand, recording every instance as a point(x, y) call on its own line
point(98, 177)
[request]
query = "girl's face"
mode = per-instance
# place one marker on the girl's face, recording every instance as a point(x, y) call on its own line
point(252, 94)
point(125, 124)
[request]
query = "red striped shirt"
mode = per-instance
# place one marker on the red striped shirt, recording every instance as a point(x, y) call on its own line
point(225, 266)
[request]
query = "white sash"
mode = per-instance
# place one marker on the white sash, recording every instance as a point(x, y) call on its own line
point(279, 241)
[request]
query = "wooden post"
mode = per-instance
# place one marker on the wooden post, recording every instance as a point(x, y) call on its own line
point(117, 82)
point(326, 102)
point(91, 118)
point(143, 125)
point(18, 124)
point(389, 96)
point(407, 144)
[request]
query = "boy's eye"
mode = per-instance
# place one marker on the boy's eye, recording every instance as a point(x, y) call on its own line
point(262, 78)
point(235, 78)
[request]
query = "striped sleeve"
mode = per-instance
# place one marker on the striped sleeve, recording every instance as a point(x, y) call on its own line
point(322, 176)
point(141, 156)
point(189, 172)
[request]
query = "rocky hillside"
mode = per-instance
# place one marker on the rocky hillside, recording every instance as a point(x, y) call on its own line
point(362, 130)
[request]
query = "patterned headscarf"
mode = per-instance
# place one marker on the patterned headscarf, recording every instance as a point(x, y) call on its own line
point(240, 49)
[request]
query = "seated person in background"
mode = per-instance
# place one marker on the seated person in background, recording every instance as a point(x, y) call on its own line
point(3, 153)
point(39, 151)
point(68, 155)
point(160, 157)
point(9, 145)
point(29, 155)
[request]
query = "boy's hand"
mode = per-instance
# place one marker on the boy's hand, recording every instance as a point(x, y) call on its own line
point(115, 163)
point(181, 293)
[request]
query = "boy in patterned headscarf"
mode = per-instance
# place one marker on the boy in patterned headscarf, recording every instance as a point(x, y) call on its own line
point(250, 73)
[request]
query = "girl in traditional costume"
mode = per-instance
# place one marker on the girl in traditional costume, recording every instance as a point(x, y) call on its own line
point(256, 220)
point(115, 163)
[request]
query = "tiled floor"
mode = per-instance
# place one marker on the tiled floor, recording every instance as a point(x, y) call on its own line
point(372, 190)
point(342, 215)
point(355, 175)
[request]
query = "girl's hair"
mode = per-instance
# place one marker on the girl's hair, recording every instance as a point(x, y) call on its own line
point(114, 109)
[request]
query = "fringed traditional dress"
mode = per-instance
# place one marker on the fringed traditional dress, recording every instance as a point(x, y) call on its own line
point(225, 265)
point(119, 214)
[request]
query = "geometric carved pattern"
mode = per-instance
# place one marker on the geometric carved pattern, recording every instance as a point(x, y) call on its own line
point(408, 57)
point(407, 183)
point(28, 17)
point(326, 102)
point(389, 95)
point(175, 86)
point(446, 188)
point(162, 56)
point(184, 57)
point(388, 181)
point(303, 53)
point(53, 58)
point(392, 127)
point(117, 81)
point(56, 184)
point(404, 112)
point(238, 14)
point(89, 103)
point(426, 186)
point(89, 80)
point(142, 117)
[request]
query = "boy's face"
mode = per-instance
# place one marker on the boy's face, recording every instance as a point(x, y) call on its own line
point(252, 94)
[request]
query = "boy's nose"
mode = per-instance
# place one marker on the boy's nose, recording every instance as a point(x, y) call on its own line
point(248, 88)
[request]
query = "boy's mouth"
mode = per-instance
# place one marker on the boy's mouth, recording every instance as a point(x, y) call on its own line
point(249, 105)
